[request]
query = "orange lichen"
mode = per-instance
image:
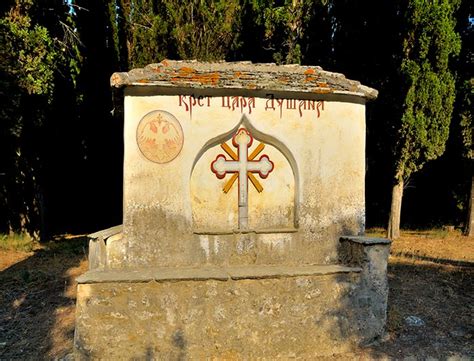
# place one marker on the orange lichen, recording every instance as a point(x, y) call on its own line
point(237, 74)
point(115, 78)
point(184, 70)
point(189, 75)
point(283, 79)
point(309, 75)
point(212, 78)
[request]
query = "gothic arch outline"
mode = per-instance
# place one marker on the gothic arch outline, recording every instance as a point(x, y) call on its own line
point(265, 138)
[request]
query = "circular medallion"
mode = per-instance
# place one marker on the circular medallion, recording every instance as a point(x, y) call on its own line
point(160, 136)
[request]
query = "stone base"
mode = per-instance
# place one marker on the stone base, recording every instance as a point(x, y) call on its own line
point(264, 312)
point(248, 312)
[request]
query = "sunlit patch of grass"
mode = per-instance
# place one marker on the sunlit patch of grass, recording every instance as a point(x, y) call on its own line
point(17, 242)
point(376, 232)
point(439, 233)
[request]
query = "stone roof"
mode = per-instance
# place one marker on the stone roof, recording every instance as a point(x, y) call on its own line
point(242, 75)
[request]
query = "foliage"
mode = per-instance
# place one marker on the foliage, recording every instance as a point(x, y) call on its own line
point(466, 122)
point(465, 86)
point(17, 242)
point(203, 30)
point(27, 51)
point(30, 60)
point(284, 25)
point(193, 29)
point(430, 85)
point(27, 65)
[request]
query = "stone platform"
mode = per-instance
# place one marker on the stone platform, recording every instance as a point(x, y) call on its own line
point(245, 312)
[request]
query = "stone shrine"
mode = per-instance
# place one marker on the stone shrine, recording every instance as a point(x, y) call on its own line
point(243, 219)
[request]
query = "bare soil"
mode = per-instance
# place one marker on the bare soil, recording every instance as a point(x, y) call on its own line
point(37, 299)
point(430, 276)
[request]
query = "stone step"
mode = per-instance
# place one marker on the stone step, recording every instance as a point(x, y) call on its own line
point(216, 273)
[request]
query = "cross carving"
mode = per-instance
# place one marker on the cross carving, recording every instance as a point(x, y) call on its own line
point(242, 166)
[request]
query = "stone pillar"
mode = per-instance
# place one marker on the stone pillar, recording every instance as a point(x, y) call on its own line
point(370, 299)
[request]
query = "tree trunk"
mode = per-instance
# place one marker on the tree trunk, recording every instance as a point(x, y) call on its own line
point(469, 231)
point(393, 230)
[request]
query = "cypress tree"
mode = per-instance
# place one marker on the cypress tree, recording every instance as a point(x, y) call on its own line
point(429, 91)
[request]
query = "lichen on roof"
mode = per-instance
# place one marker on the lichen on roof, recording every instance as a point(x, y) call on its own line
point(242, 75)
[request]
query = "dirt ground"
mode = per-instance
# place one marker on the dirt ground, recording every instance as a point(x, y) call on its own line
point(430, 277)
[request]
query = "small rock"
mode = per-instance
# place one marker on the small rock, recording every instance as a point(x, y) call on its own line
point(457, 333)
point(458, 357)
point(414, 321)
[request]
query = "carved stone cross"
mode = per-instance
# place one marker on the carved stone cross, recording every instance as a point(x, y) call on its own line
point(243, 166)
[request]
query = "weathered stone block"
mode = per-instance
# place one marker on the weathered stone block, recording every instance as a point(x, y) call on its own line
point(284, 316)
point(371, 255)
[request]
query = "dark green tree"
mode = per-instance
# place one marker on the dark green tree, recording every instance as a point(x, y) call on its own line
point(429, 43)
point(191, 29)
point(28, 61)
point(32, 57)
point(276, 31)
point(464, 126)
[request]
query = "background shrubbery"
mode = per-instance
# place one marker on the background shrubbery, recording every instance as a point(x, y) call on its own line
point(60, 126)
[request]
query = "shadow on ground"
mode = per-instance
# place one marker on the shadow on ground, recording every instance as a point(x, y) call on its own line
point(439, 294)
point(37, 301)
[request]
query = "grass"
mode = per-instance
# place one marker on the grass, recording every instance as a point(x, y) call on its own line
point(424, 233)
point(376, 232)
point(21, 242)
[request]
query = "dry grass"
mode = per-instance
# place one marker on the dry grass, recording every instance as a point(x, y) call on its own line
point(435, 246)
point(430, 275)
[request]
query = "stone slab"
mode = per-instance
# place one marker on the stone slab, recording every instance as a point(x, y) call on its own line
point(368, 241)
point(238, 232)
point(242, 75)
point(106, 233)
point(280, 271)
point(210, 273)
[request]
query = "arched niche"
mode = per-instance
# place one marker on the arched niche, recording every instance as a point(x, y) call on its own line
point(274, 208)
